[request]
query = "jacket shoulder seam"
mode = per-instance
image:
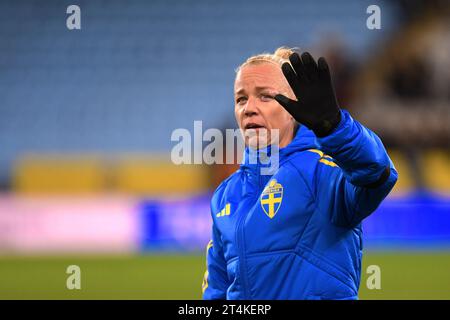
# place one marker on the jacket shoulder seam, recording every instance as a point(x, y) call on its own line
point(225, 182)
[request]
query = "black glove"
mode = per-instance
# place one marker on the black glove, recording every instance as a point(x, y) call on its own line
point(316, 106)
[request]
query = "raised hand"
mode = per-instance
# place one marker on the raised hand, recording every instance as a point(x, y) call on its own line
point(316, 106)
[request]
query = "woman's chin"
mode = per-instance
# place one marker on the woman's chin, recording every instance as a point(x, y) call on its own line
point(257, 142)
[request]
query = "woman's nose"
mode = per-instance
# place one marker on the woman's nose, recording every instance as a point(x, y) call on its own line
point(250, 107)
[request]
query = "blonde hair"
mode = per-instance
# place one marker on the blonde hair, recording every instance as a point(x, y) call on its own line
point(280, 56)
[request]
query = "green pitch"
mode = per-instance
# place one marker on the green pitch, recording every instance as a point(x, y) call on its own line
point(410, 275)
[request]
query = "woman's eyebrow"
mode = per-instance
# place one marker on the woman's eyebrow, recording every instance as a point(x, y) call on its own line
point(257, 89)
point(264, 88)
point(239, 91)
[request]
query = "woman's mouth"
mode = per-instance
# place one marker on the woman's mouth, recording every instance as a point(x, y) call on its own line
point(252, 125)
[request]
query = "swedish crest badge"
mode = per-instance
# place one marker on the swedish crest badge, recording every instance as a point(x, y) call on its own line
point(271, 198)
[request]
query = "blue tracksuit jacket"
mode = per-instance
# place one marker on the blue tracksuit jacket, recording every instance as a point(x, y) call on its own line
point(297, 234)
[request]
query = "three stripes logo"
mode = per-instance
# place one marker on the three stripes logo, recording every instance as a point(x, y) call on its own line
point(224, 212)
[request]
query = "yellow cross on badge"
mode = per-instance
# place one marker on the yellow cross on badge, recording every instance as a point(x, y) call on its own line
point(271, 198)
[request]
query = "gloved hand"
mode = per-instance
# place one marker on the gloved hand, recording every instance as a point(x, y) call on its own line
point(316, 106)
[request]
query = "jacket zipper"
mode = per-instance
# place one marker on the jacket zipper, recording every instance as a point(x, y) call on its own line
point(240, 241)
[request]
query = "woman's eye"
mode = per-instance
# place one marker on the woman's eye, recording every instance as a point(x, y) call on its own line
point(266, 97)
point(240, 100)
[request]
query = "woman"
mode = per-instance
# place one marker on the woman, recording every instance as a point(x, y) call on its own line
point(294, 234)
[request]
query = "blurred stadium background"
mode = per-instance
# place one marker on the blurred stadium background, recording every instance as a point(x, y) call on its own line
point(86, 118)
